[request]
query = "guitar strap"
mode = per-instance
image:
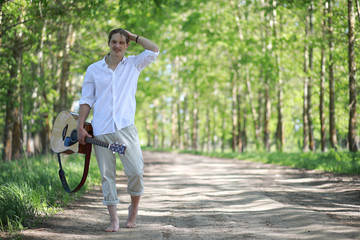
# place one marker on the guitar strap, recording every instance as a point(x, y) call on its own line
point(85, 173)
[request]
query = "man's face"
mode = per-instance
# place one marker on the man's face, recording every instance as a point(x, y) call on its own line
point(118, 45)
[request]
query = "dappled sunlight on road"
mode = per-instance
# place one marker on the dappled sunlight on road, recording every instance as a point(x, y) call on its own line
point(195, 197)
point(210, 194)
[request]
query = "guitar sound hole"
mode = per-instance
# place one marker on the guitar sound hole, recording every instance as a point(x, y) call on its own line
point(73, 136)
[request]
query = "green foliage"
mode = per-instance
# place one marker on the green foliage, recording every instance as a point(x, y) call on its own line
point(31, 189)
point(185, 95)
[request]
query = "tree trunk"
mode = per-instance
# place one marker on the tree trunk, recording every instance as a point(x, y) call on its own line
point(147, 128)
point(174, 136)
point(186, 121)
point(174, 106)
point(162, 129)
point(322, 84)
point(280, 125)
point(214, 136)
point(65, 67)
point(234, 112)
point(305, 97)
point(352, 82)
point(309, 92)
point(195, 119)
point(18, 135)
point(280, 122)
point(239, 130)
point(223, 134)
point(253, 109)
point(333, 138)
point(30, 146)
point(208, 131)
point(155, 125)
point(236, 131)
point(179, 125)
point(45, 120)
point(13, 129)
point(214, 117)
point(244, 132)
point(260, 108)
point(267, 112)
point(9, 120)
point(195, 126)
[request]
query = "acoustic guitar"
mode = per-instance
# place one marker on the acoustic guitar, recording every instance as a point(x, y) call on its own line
point(64, 140)
point(64, 136)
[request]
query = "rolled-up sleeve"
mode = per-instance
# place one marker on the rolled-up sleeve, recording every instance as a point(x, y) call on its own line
point(88, 90)
point(144, 59)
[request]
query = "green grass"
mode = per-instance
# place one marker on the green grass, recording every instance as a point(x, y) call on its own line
point(343, 162)
point(332, 161)
point(30, 189)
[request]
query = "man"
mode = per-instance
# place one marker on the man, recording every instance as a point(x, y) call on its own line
point(109, 89)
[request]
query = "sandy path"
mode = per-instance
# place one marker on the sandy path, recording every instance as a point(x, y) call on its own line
point(195, 197)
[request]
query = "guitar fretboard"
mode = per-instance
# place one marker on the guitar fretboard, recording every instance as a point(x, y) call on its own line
point(97, 142)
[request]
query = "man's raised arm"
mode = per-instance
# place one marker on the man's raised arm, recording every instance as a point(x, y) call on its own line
point(144, 42)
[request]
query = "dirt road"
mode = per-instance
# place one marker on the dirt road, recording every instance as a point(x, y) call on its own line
point(195, 197)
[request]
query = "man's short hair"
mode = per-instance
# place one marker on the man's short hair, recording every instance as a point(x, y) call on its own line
point(122, 32)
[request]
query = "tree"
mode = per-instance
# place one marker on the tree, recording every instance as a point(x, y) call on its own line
point(309, 83)
point(280, 123)
point(268, 51)
point(224, 66)
point(22, 41)
point(13, 131)
point(332, 129)
point(322, 81)
point(352, 82)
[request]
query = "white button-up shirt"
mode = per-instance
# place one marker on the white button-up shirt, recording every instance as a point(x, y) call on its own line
point(111, 94)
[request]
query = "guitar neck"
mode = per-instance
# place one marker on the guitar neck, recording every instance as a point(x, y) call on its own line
point(97, 142)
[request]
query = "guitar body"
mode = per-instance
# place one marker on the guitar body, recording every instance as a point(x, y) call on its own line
point(64, 140)
point(64, 126)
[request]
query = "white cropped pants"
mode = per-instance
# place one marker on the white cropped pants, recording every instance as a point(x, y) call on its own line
point(132, 162)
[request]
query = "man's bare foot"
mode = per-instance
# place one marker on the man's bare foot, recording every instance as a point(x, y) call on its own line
point(131, 220)
point(113, 227)
point(114, 219)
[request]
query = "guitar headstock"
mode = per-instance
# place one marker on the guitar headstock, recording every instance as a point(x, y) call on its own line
point(119, 148)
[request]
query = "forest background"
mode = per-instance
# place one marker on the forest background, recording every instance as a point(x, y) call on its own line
point(232, 75)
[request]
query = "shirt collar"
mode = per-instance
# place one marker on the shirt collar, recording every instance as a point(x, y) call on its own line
point(104, 64)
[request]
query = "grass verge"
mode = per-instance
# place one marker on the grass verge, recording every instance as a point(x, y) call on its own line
point(332, 161)
point(30, 189)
